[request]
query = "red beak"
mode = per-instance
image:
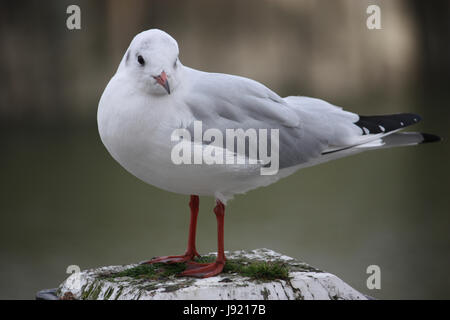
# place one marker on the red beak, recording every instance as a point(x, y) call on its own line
point(162, 80)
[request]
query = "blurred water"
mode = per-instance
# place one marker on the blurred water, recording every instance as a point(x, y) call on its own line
point(65, 201)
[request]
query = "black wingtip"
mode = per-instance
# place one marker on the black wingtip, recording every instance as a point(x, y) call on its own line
point(386, 123)
point(428, 138)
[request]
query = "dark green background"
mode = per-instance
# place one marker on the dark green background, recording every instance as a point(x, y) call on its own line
point(64, 201)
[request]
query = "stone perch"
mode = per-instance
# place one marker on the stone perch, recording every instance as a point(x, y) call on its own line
point(257, 274)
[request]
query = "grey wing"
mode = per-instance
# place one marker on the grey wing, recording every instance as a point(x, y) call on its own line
point(310, 130)
point(228, 102)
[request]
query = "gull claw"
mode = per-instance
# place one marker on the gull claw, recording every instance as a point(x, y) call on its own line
point(203, 270)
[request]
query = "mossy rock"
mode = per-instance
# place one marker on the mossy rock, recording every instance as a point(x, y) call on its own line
point(254, 269)
point(255, 274)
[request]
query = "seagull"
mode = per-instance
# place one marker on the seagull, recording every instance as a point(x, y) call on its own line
point(154, 106)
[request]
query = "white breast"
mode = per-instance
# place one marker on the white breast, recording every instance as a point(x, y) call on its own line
point(137, 132)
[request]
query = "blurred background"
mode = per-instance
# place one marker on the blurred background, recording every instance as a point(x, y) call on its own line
point(64, 201)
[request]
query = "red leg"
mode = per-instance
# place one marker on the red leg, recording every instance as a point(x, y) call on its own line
point(205, 270)
point(194, 205)
point(191, 251)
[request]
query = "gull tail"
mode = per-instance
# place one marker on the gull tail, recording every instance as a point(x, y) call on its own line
point(399, 139)
point(388, 125)
point(382, 132)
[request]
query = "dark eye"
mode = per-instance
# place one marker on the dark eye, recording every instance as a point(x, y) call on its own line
point(175, 63)
point(141, 60)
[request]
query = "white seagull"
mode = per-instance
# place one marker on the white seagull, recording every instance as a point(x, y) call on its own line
point(152, 95)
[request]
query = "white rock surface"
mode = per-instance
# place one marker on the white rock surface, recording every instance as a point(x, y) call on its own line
point(305, 282)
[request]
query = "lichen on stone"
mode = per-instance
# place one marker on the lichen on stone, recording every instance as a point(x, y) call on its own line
point(256, 274)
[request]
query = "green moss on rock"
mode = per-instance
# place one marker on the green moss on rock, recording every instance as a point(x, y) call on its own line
point(254, 269)
point(156, 271)
point(260, 270)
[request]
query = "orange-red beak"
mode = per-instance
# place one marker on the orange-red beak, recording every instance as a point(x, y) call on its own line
point(162, 80)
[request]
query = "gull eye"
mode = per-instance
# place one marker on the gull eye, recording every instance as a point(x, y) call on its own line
point(141, 60)
point(175, 63)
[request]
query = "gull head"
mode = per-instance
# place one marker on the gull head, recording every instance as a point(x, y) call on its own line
point(151, 62)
